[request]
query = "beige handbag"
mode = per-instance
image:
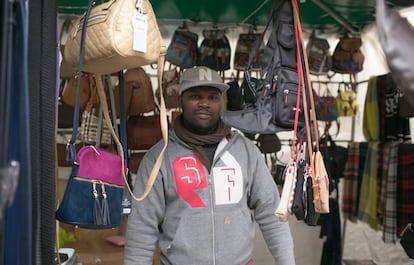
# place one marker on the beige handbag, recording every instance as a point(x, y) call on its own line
point(120, 34)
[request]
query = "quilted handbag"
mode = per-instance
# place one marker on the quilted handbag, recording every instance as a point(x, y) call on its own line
point(120, 34)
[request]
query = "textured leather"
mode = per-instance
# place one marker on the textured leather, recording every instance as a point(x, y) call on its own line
point(109, 38)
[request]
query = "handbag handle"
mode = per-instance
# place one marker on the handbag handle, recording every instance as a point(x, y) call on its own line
point(71, 153)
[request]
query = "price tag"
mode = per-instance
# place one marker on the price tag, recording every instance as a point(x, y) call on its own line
point(140, 24)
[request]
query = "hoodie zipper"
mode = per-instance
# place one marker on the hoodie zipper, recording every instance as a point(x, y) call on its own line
point(213, 234)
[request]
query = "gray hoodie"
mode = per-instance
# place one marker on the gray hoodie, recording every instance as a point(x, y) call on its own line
point(202, 218)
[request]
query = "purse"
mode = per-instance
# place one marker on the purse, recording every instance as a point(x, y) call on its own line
point(183, 48)
point(69, 91)
point(276, 94)
point(319, 57)
point(244, 46)
point(142, 95)
point(171, 88)
point(93, 130)
point(268, 143)
point(326, 109)
point(94, 192)
point(346, 103)
point(347, 56)
point(143, 132)
point(407, 240)
point(120, 34)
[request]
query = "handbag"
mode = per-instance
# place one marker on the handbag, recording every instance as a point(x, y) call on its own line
point(94, 192)
point(93, 130)
point(319, 57)
point(268, 143)
point(142, 95)
point(143, 131)
point(170, 88)
point(69, 91)
point(120, 34)
point(275, 94)
point(244, 46)
point(326, 109)
point(347, 56)
point(215, 50)
point(407, 240)
point(183, 48)
point(346, 103)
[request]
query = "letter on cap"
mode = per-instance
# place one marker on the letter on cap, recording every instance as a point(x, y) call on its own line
point(205, 74)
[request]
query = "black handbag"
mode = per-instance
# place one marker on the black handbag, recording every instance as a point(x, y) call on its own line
point(407, 240)
point(275, 94)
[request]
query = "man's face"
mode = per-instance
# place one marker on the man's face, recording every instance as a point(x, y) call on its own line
point(201, 108)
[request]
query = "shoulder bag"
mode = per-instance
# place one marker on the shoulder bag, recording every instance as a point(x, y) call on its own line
point(121, 34)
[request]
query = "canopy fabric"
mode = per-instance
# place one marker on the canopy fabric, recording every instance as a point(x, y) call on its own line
point(330, 16)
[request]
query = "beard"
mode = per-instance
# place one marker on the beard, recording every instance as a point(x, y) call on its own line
point(197, 125)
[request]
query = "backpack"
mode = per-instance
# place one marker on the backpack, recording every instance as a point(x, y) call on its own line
point(183, 48)
point(347, 57)
point(244, 46)
point(319, 57)
point(275, 93)
point(215, 50)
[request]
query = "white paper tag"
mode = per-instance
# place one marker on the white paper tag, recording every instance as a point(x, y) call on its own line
point(140, 24)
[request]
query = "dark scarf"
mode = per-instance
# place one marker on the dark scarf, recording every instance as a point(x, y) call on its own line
point(197, 141)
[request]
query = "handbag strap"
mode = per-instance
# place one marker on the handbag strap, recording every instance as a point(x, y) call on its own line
point(112, 99)
point(99, 129)
point(163, 124)
point(71, 153)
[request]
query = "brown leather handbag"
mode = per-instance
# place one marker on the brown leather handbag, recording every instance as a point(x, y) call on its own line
point(138, 93)
point(143, 131)
point(69, 91)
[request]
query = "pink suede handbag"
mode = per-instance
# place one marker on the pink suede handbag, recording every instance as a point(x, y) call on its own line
point(98, 164)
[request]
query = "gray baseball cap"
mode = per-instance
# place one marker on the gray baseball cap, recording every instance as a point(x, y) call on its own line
point(201, 76)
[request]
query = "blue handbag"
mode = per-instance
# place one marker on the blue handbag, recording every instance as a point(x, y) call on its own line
point(90, 204)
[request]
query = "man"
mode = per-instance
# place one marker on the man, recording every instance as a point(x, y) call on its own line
point(213, 184)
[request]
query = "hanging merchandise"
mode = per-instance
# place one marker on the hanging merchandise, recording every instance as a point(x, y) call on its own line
point(183, 48)
point(276, 94)
point(234, 96)
point(334, 157)
point(93, 129)
point(319, 56)
point(171, 88)
point(121, 34)
point(396, 35)
point(244, 46)
point(94, 191)
point(346, 102)
point(143, 131)
point(69, 89)
point(142, 98)
point(407, 240)
point(326, 107)
point(215, 50)
point(347, 57)
point(268, 143)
